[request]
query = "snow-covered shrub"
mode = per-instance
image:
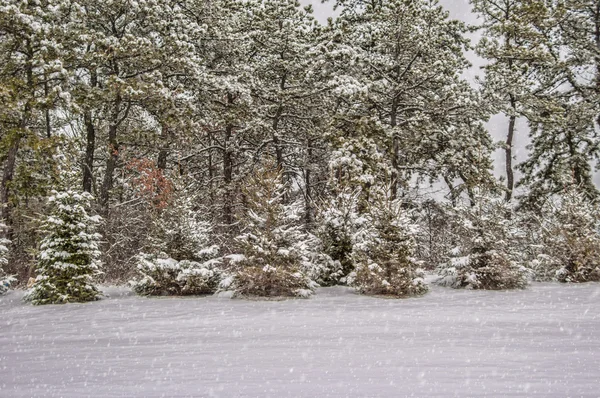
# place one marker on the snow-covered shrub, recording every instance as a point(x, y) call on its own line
point(570, 247)
point(339, 222)
point(182, 260)
point(165, 276)
point(5, 280)
point(383, 251)
point(482, 259)
point(268, 261)
point(318, 265)
point(183, 234)
point(68, 258)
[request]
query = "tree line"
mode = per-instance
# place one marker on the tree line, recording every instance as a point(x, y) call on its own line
point(243, 139)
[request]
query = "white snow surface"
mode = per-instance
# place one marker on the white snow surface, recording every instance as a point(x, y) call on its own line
point(539, 342)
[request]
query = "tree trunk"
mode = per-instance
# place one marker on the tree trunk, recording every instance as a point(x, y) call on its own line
point(597, 59)
point(90, 144)
point(276, 143)
point(510, 178)
point(90, 147)
point(228, 179)
point(228, 173)
point(395, 144)
point(308, 216)
point(113, 155)
point(47, 113)
point(163, 154)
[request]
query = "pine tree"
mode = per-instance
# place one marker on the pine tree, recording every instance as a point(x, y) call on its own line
point(161, 275)
point(32, 86)
point(511, 45)
point(485, 233)
point(68, 258)
point(338, 222)
point(268, 260)
point(181, 258)
point(402, 109)
point(565, 116)
point(5, 280)
point(570, 239)
point(383, 253)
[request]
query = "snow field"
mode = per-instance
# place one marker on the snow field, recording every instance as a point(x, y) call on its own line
point(539, 342)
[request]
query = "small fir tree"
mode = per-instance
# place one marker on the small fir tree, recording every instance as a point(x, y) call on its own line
point(181, 260)
point(68, 259)
point(162, 275)
point(269, 258)
point(5, 280)
point(383, 253)
point(183, 232)
point(338, 221)
point(485, 231)
point(570, 240)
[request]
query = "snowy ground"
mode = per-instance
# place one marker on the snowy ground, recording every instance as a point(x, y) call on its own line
point(541, 342)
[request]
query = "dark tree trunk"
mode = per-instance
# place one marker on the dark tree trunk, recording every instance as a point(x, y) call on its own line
point(47, 113)
point(228, 179)
point(90, 147)
point(597, 41)
point(228, 172)
point(510, 178)
point(112, 156)
point(276, 143)
point(393, 124)
point(308, 216)
point(90, 144)
point(163, 154)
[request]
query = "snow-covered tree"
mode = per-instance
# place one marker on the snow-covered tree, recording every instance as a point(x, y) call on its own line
point(182, 231)
point(383, 253)
point(32, 84)
point(510, 44)
point(402, 109)
point(68, 258)
point(5, 280)
point(338, 222)
point(485, 232)
point(565, 117)
point(562, 149)
point(268, 259)
point(162, 275)
point(182, 257)
point(569, 248)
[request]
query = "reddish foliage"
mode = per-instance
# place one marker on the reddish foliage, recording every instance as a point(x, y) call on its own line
point(151, 183)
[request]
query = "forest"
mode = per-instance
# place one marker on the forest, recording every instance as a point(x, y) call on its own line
point(187, 147)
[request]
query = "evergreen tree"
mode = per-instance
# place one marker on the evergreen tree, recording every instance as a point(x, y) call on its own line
point(565, 116)
point(511, 45)
point(383, 253)
point(396, 74)
point(268, 262)
point(570, 239)
point(32, 86)
point(338, 222)
point(5, 281)
point(68, 258)
point(485, 233)
point(181, 257)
